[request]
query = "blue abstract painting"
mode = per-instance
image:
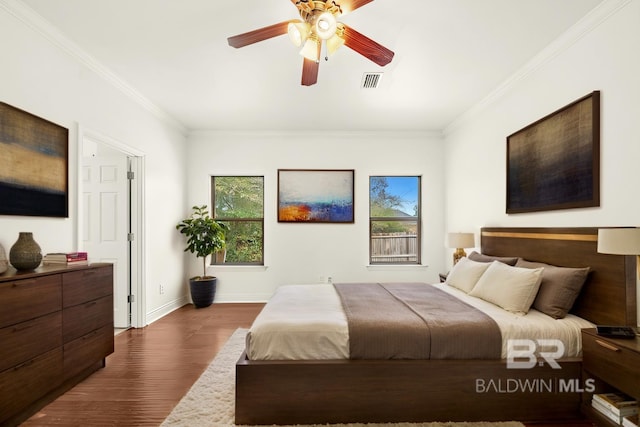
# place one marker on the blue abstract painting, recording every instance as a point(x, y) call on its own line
point(315, 195)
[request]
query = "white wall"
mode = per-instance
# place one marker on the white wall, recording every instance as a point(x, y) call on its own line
point(39, 77)
point(605, 58)
point(302, 253)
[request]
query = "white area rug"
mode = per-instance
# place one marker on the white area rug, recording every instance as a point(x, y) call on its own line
point(211, 400)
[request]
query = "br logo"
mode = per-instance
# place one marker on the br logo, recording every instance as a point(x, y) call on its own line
point(521, 354)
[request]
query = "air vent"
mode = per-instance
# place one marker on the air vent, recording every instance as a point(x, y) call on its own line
point(371, 80)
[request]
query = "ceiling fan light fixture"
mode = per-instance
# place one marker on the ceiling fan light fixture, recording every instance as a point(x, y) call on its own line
point(318, 25)
point(298, 32)
point(325, 26)
point(311, 48)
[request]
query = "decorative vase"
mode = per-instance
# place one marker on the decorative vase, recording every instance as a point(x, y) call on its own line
point(4, 263)
point(25, 254)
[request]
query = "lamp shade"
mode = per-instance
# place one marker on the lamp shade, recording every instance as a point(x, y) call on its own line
point(334, 43)
point(461, 240)
point(326, 25)
point(619, 241)
point(298, 32)
point(311, 48)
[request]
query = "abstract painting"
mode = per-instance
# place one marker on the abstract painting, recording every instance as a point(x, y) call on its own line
point(315, 195)
point(33, 165)
point(554, 163)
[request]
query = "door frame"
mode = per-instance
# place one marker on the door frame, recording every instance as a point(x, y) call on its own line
point(137, 209)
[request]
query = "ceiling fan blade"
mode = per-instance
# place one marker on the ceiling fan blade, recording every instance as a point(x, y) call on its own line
point(310, 72)
point(259, 35)
point(367, 47)
point(349, 6)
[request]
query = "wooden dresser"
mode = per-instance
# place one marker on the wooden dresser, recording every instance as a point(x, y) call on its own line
point(56, 328)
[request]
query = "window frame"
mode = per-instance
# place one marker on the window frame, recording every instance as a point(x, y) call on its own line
point(227, 220)
point(413, 219)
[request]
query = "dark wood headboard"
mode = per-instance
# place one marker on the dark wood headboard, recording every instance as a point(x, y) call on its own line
point(609, 294)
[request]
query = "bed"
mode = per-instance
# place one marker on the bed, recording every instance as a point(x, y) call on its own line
point(333, 389)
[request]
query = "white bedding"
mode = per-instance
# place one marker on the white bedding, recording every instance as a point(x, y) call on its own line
point(306, 322)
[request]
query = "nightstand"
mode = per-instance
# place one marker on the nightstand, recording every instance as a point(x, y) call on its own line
point(614, 364)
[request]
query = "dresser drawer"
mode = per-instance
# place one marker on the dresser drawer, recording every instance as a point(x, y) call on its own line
point(84, 318)
point(87, 350)
point(612, 362)
point(87, 284)
point(29, 381)
point(26, 340)
point(26, 299)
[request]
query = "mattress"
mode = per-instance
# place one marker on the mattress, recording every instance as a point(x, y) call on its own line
point(306, 322)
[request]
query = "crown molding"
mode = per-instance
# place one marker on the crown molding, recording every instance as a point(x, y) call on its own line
point(588, 23)
point(264, 134)
point(37, 23)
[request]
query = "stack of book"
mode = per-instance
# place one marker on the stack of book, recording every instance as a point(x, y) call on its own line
point(66, 258)
point(617, 407)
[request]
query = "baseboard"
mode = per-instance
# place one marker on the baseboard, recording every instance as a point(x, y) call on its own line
point(165, 309)
point(239, 298)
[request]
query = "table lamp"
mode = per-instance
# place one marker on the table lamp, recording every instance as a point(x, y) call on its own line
point(620, 241)
point(459, 241)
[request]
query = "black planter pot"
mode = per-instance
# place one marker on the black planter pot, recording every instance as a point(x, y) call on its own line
point(203, 291)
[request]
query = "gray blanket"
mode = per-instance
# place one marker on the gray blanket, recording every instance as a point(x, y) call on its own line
point(415, 321)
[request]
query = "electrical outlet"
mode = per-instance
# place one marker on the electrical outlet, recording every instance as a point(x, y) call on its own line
point(161, 289)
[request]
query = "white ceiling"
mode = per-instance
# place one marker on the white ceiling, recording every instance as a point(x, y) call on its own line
point(449, 55)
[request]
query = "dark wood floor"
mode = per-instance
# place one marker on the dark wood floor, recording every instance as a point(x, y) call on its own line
point(150, 371)
point(152, 368)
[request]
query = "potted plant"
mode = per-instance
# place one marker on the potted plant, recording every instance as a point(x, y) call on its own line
point(205, 236)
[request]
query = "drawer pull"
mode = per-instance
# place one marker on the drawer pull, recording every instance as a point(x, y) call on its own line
point(608, 346)
point(23, 365)
point(23, 327)
point(23, 283)
point(90, 335)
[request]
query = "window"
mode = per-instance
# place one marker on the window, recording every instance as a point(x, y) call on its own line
point(394, 220)
point(238, 201)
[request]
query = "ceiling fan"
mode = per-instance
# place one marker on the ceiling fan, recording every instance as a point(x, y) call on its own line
point(319, 28)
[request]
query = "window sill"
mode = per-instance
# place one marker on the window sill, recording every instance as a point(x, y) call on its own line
point(224, 267)
point(391, 267)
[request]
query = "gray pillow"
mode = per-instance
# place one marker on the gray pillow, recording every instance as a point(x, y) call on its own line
point(475, 256)
point(559, 288)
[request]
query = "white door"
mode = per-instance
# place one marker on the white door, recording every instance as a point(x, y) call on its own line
point(105, 222)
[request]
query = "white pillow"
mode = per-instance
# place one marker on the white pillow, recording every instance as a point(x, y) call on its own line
point(512, 288)
point(465, 273)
